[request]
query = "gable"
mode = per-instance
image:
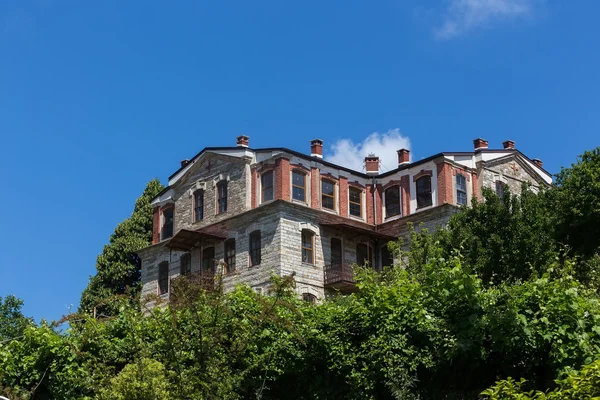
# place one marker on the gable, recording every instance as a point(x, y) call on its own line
point(513, 170)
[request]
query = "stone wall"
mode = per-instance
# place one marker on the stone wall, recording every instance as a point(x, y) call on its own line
point(510, 172)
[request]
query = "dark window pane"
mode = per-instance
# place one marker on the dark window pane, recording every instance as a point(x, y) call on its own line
point(364, 254)
point(185, 264)
point(208, 260)
point(355, 202)
point(386, 257)
point(222, 196)
point(461, 190)
point(336, 251)
point(298, 193)
point(311, 298)
point(163, 278)
point(307, 247)
point(500, 189)
point(167, 228)
point(267, 186)
point(424, 192)
point(328, 195)
point(298, 179)
point(230, 255)
point(254, 248)
point(199, 205)
point(392, 201)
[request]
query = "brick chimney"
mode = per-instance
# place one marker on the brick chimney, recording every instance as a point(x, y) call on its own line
point(508, 144)
point(372, 164)
point(242, 141)
point(316, 148)
point(184, 162)
point(480, 144)
point(538, 162)
point(403, 156)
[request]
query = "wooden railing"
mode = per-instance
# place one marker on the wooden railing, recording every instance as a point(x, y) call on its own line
point(339, 274)
point(203, 279)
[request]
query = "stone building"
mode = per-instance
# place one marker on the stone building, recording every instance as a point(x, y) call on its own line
point(247, 213)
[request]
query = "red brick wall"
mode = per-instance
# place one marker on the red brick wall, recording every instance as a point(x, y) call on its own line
point(314, 189)
point(369, 204)
point(379, 204)
point(343, 196)
point(253, 188)
point(444, 184)
point(282, 179)
point(405, 193)
point(476, 190)
point(156, 225)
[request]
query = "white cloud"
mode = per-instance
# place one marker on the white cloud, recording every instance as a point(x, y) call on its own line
point(346, 153)
point(465, 15)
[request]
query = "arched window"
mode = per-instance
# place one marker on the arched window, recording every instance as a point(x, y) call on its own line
point(328, 194)
point(309, 297)
point(230, 255)
point(424, 192)
point(392, 201)
point(266, 183)
point(185, 264)
point(500, 189)
point(298, 185)
point(198, 205)
point(163, 278)
point(222, 196)
point(461, 190)
point(355, 200)
point(308, 245)
point(254, 247)
point(167, 223)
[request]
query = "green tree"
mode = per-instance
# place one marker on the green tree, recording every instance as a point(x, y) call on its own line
point(12, 320)
point(118, 267)
point(575, 202)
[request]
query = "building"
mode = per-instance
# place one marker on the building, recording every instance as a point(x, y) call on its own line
point(246, 213)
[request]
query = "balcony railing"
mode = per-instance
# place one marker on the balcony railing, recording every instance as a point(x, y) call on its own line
point(202, 279)
point(339, 275)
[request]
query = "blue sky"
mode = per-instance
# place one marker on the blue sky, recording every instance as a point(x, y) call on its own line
point(96, 98)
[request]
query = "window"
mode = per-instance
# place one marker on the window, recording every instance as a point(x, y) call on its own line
point(336, 251)
point(308, 254)
point(163, 278)
point(198, 205)
point(254, 248)
point(266, 182)
point(386, 257)
point(298, 186)
point(392, 201)
point(328, 194)
point(222, 196)
point(355, 202)
point(230, 255)
point(500, 186)
point(424, 191)
point(364, 254)
point(167, 228)
point(208, 260)
point(461, 190)
point(185, 264)
point(309, 297)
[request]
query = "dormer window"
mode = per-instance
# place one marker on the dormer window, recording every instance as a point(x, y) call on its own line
point(299, 186)
point(424, 192)
point(266, 182)
point(167, 223)
point(222, 197)
point(198, 205)
point(392, 201)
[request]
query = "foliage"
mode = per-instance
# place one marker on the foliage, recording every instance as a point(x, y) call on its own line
point(144, 380)
point(12, 320)
point(118, 267)
point(575, 202)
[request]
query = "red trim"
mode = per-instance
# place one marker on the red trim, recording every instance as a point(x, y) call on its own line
point(422, 174)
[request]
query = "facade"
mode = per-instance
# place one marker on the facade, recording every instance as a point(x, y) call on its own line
point(245, 213)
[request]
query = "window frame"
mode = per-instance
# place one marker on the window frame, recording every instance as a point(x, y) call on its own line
point(254, 250)
point(311, 249)
point(369, 258)
point(428, 192)
point(222, 194)
point(201, 207)
point(163, 281)
point(332, 196)
point(502, 186)
point(208, 268)
point(229, 254)
point(350, 202)
point(333, 261)
point(263, 187)
point(309, 297)
point(187, 257)
point(387, 199)
point(303, 188)
point(461, 189)
point(171, 209)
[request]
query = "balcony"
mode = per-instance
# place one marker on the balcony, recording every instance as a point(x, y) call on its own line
point(339, 275)
point(204, 280)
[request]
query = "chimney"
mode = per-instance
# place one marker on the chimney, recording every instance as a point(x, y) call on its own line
point(372, 164)
point(480, 144)
point(316, 148)
point(508, 145)
point(184, 162)
point(242, 141)
point(403, 156)
point(538, 162)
